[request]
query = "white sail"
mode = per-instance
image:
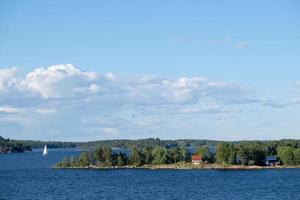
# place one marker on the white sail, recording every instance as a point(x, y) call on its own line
point(45, 152)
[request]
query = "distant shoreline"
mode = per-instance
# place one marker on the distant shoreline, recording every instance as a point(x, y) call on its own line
point(185, 166)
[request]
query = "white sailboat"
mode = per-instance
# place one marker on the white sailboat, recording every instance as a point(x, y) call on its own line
point(45, 152)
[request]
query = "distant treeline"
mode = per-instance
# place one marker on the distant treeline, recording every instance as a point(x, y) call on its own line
point(230, 153)
point(50, 144)
point(7, 145)
point(236, 152)
point(153, 142)
point(140, 143)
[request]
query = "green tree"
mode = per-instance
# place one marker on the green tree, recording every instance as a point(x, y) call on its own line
point(98, 154)
point(175, 154)
point(205, 153)
point(251, 153)
point(84, 159)
point(184, 154)
point(286, 155)
point(107, 156)
point(159, 155)
point(121, 159)
point(256, 154)
point(297, 156)
point(66, 162)
point(270, 148)
point(136, 157)
point(147, 152)
point(74, 161)
point(232, 156)
point(224, 150)
point(242, 155)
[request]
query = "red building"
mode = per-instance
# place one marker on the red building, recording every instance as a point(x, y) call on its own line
point(196, 159)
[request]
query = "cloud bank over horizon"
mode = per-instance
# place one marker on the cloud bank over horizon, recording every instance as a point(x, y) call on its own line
point(63, 102)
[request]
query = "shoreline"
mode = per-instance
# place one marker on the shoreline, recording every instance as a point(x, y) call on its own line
point(185, 166)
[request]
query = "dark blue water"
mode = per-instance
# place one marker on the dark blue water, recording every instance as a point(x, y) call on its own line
point(29, 176)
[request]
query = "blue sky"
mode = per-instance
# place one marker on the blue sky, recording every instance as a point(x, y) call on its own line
point(132, 69)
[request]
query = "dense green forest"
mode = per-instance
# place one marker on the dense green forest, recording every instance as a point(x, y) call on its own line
point(50, 144)
point(254, 153)
point(105, 157)
point(172, 151)
point(7, 145)
point(230, 153)
point(152, 142)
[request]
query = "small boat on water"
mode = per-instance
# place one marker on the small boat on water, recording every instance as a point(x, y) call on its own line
point(45, 152)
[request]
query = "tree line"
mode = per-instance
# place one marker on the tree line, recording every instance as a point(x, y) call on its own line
point(105, 157)
point(255, 153)
point(7, 145)
point(172, 151)
point(153, 142)
point(120, 143)
point(289, 155)
point(227, 153)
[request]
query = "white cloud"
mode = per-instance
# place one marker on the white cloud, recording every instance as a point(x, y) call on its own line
point(56, 81)
point(296, 100)
point(7, 78)
point(110, 130)
point(69, 82)
point(241, 45)
point(9, 109)
point(106, 103)
point(47, 111)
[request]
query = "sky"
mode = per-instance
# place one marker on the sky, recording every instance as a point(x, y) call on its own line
point(94, 70)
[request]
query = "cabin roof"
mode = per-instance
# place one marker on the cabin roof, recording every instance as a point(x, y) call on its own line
point(196, 157)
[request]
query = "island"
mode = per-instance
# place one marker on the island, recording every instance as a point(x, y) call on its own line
point(225, 155)
point(13, 146)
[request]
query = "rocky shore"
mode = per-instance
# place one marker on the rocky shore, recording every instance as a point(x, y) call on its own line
point(182, 166)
